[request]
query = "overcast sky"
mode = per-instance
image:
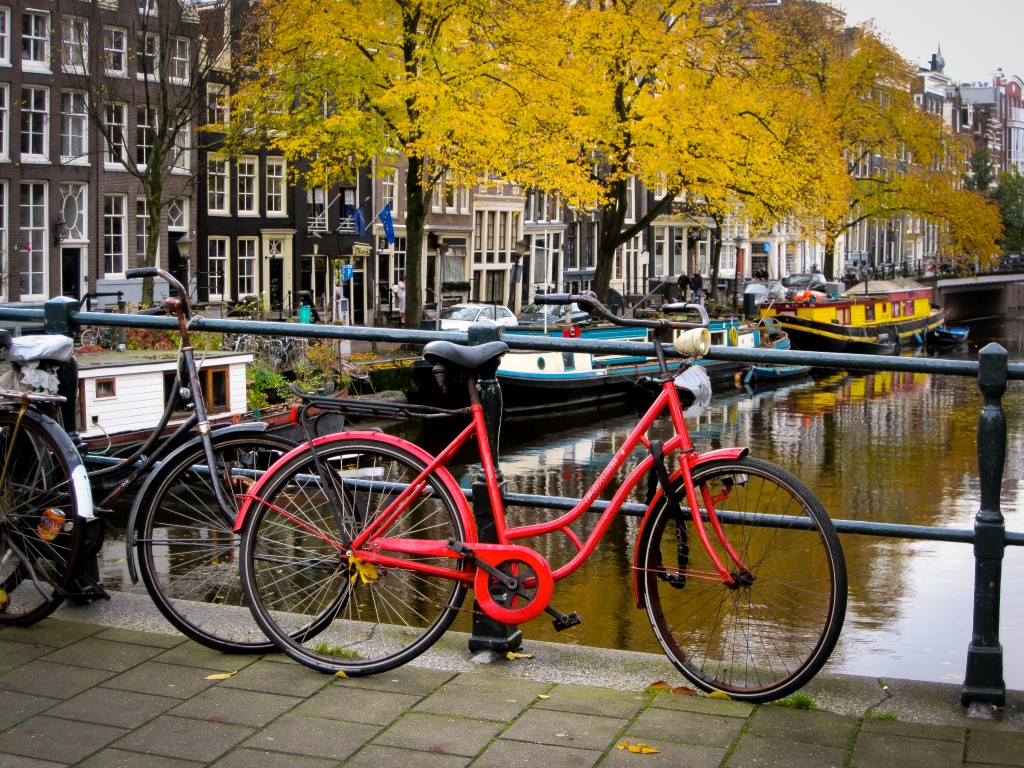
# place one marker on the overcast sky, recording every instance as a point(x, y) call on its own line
point(976, 36)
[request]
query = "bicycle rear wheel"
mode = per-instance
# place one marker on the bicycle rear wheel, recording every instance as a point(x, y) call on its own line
point(187, 551)
point(297, 573)
point(768, 634)
point(41, 535)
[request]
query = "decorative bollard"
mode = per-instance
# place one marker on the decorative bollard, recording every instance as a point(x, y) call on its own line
point(983, 682)
point(488, 634)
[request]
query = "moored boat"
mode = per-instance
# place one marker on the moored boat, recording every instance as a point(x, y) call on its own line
point(946, 335)
point(761, 374)
point(877, 317)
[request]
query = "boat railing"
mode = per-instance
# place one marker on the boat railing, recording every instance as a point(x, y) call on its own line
point(983, 682)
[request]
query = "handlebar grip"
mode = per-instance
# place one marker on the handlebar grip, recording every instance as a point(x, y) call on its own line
point(551, 298)
point(142, 272)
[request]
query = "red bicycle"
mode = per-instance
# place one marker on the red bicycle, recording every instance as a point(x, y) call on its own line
point(736, 562)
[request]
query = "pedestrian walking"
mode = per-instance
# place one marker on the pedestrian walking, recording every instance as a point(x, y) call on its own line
point(697, 286)
point(684, 286)
point(399, 290)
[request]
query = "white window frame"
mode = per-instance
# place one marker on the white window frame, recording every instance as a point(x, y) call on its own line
point(177, 214)
point(142, 227)
point(277, 200)
point(115, 51)
point(40, 114)
point(35, 46)
point(115, 235)
point(147, 49)
point(5, 124)
point(146, 121)
point(248, 247)
point(182, 163)
point(148, 8)
point(5, 37)
point(115, 119)
point(74, 44)
point(248, 185)
point(74, 128)
point(76, 220)
point(217, 112)
point(217, 255)
point(218, 177)
point(316, 208)
point(389, 190)
point(33, 233)
point(179, 61)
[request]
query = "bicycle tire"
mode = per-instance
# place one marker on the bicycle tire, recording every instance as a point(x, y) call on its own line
point(296, 572)
point(187, 552)
point(37, 463)
point(767, 637)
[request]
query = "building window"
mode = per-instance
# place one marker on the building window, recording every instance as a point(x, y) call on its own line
point(35, 41)
point(145, 132)
point(316, 208)
point(5, 122)
point(217, 105)
point(75, 40)
point(141, 225)
point(217, 187)
point(115, 51)
point(73, 207)
point(246, 266)
point(180, 60)
point(147, 56)
point(5, 35)
point(148, 7)
point(182, 149)
point(275, 186)
point(74, 127)
point(248, 167)
point(33, 239)
point(389, 190)
point(177, 214)
point(35, 123)
point(216, 266)
point(116, 123)
point(114, 227)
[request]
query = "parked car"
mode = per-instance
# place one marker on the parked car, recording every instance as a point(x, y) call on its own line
point(459, 317)
point(535, 314)
point(765, 290)
point(804, 281)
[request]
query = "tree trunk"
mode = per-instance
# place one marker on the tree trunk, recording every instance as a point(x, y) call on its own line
point(613, 216)
point(716, 260)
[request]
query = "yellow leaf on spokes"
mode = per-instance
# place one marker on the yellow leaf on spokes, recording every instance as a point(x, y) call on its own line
point(639, 748)
point(221, 675)
point(364, 571)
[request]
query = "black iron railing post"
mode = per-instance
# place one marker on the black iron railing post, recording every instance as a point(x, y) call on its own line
point(983, 682)
point(488, 634)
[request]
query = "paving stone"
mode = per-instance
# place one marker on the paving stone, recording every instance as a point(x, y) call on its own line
point(163, 680)
point(664, 724)
point(62, 741)
point(109, 706)
point(18, 761)
point(59, 681)
point(286, 679)
point(516, 754)
point(407, 679)
point(51, 632)
point(481, 696)
point(567, 729)
point(357, 705)
point(14, 654)
point(189, 654)
point(587, 700)
point(247, 758)
point(702, 704)
point(141, 638)
point(760, 752)
point(21, 706)
point(119, 758)
point(444, 735)
point(822, 728)
point(231, 705)
point(312, 736)
point(995, 747)
point(875, 749)
point(103, 654)
point(669, 755)
point(373, 756)
point(916, 730)
point(185, 738)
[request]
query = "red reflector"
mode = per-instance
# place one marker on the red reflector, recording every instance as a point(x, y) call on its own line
point(293, 417)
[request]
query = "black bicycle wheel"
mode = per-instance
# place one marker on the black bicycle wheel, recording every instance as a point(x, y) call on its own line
point(296, 570)
point(187, 552)
point(772, 630)
point(41, 535)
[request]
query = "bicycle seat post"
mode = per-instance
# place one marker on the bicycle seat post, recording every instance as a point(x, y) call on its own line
point(488, 634)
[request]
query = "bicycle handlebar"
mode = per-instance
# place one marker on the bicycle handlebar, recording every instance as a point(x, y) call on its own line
point(158, 272)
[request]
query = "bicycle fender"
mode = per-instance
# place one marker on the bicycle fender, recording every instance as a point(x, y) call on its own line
point(450, 483)
point(256, 428)
point(641, 539)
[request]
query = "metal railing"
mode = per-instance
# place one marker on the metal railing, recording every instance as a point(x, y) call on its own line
point(983, 681)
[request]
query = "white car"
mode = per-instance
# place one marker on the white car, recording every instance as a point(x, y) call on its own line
point(460, 316)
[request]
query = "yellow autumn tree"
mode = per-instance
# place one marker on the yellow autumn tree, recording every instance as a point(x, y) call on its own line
point(440, 83)
point(899, 160)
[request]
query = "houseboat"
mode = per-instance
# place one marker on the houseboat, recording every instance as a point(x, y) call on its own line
point(878, 316)
point(122, 395)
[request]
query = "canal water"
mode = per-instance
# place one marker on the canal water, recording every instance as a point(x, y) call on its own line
point(885, 447)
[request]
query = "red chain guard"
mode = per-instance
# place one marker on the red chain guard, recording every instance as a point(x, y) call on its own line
point(543, 585)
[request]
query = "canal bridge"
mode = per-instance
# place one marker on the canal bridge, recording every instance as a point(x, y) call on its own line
point(974, 297)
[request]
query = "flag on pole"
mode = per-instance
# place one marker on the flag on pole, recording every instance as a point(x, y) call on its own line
point(389, 224)
point(360, 222)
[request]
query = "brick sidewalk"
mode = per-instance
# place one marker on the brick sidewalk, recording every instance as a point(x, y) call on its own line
point(85, 694)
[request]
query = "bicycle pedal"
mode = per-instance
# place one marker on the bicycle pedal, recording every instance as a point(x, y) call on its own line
point(677, 580)
point(102, 512)
point(562, 621)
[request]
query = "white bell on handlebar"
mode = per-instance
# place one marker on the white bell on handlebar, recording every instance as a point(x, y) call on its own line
point(695, 342)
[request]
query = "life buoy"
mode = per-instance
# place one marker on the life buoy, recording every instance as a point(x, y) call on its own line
point(734, 336)
point(572, 332)
point(804, 295)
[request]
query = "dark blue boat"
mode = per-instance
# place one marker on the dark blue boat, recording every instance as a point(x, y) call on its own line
point(946, 335)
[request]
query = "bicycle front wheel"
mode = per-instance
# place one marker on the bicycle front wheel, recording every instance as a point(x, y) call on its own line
point(298, 574)
point(187, 551)
point(769, 632)
point(41, 535)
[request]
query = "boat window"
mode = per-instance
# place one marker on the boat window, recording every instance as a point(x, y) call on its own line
point(568, 361)
point(215, 388)
point(908, 307)
point(106, 388)
point(896, 309)
point(540, 363)
point(179, 404)
point(869, 312)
